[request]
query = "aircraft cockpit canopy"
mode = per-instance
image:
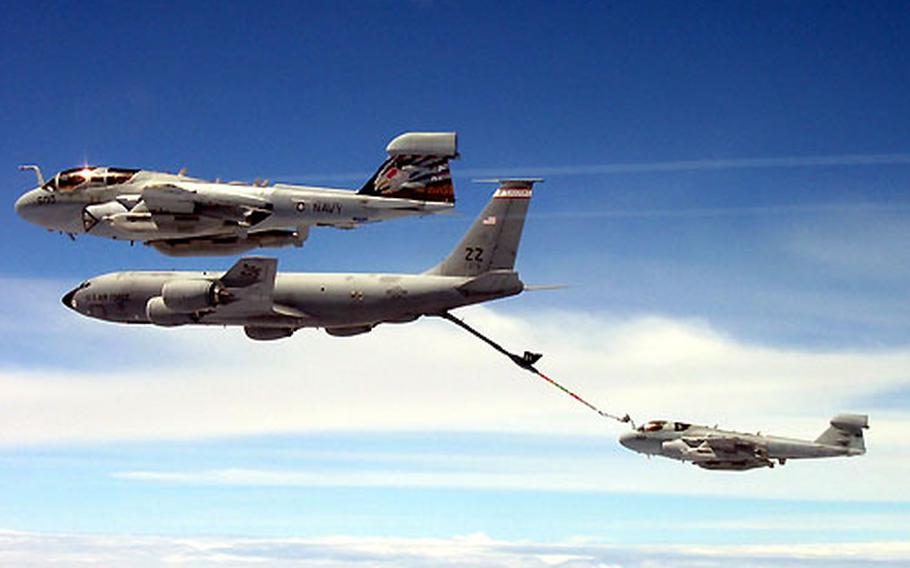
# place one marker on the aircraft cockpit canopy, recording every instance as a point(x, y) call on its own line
point(653, 426)
point(657, 425)
point(87, 176)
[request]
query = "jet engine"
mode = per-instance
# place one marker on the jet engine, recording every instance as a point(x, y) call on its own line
point(159, 314)
point(191, 295)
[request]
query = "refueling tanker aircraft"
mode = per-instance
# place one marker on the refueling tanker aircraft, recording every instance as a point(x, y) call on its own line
point(185, 216)
point(270, 305)
point(711, 448)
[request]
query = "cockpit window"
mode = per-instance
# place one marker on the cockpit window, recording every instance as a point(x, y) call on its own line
point(68, 182)
point(75, 178)
point(116, 176)
point(653, 426)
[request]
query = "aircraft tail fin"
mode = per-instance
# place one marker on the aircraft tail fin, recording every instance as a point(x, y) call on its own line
point(492, 241)
point(846, 430)
point(417, 168)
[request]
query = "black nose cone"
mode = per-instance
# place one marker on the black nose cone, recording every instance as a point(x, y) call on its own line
point(68, 299)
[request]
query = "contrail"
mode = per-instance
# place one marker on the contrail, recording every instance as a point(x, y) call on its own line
point(649, 167)
point(800, 209)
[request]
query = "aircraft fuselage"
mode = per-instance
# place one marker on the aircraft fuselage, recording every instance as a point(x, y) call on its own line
point(303, 299)
point(108, 211)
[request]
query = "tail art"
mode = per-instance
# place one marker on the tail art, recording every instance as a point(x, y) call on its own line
point(492, 241)
point(417, 168)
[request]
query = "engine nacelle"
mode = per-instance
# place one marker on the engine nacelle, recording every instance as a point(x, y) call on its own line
point(267, 333)
point(159, 314)
point(189, 295)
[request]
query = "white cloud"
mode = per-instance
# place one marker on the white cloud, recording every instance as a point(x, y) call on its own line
point(430, 376)
point(192, 383)
point(42, 549)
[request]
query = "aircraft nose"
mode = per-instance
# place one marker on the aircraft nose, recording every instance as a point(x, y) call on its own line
point(71, 300)
point(627, 440)
point(22, 203)
point(26, 202)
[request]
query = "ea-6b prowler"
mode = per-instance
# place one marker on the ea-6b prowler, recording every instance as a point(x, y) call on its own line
point(711, 448)
point(272, 306)
point(185, 216)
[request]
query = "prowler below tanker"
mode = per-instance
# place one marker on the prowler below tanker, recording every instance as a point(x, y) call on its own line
point(712, 448)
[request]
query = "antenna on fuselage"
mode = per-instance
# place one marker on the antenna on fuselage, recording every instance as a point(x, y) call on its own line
point(35, 169)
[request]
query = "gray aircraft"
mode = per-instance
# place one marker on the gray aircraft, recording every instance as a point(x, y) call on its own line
point(711, 448)
point(271, 306)
point(185, 216)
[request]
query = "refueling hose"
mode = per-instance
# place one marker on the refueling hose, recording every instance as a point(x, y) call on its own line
point(527, 361)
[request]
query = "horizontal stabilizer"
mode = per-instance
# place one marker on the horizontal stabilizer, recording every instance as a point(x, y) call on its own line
point(544, 287)
point(493, 282)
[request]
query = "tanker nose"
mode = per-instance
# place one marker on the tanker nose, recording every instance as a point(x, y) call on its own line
point(70, 299)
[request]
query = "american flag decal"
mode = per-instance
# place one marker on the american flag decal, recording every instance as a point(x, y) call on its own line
point(491, 220)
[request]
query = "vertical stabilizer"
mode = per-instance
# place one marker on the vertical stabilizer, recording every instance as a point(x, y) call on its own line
point(417, 168)
point(492, 241)
point(846, 431)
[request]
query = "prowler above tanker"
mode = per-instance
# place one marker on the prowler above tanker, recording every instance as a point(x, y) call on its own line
point(271, 305)
point(185, 216)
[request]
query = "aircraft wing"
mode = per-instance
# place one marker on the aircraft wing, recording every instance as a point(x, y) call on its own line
point(164, 201)
point(249, 287)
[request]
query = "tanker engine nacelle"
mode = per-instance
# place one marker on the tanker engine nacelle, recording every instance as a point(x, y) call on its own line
point(190, 295)
point(180, 300)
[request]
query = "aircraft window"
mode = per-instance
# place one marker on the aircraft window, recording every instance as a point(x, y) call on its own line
point(70, 181)
point(97, 180)
point(653, 426)
point(116, 176)
point(680, 426)
point(117, 179)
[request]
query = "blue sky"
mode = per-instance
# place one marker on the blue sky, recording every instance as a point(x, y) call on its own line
point(726, 196)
